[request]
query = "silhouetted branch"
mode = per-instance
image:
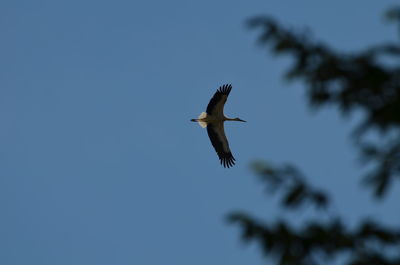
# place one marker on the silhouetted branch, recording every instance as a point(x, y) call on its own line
point(288, 179)
point(349, 81)
point(387, 160)
point(320, 241)
point(363, 80)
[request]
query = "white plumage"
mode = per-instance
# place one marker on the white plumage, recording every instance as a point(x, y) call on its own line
point(202, 116)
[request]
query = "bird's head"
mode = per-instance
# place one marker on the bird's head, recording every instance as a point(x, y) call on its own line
point(238, 119)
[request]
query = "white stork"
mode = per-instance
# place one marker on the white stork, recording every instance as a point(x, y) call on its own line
point(214, 119)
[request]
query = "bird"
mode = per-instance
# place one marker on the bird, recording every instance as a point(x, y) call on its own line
point(213, 119)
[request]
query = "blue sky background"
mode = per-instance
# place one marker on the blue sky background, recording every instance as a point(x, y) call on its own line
point(99, 163)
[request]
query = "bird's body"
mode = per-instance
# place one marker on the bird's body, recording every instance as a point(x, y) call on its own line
point(213, 119)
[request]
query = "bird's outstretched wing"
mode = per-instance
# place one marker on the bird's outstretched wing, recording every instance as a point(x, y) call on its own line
point(218, 139)
point(216, 105)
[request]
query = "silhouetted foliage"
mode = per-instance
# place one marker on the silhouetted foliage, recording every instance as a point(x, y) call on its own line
point(363, 80)
point(349, 82)
point(292, 183)
point(318, 243)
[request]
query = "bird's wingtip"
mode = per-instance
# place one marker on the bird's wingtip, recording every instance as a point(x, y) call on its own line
point(225, 89)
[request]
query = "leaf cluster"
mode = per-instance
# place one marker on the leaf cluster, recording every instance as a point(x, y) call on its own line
point(318, 243)
point(288, 180)
point(348, 81)
point(366, 80)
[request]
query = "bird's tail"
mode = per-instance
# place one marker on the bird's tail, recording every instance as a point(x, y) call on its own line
point(201, 123)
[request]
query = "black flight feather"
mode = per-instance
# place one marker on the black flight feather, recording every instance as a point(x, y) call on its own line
point(218, 96)
point(226, 158)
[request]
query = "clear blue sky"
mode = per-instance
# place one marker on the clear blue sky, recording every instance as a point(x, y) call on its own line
point(99, 163)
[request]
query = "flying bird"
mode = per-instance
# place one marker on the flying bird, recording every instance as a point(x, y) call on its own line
point(213, 119)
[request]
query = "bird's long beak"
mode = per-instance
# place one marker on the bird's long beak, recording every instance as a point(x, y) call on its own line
point(242, 120)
